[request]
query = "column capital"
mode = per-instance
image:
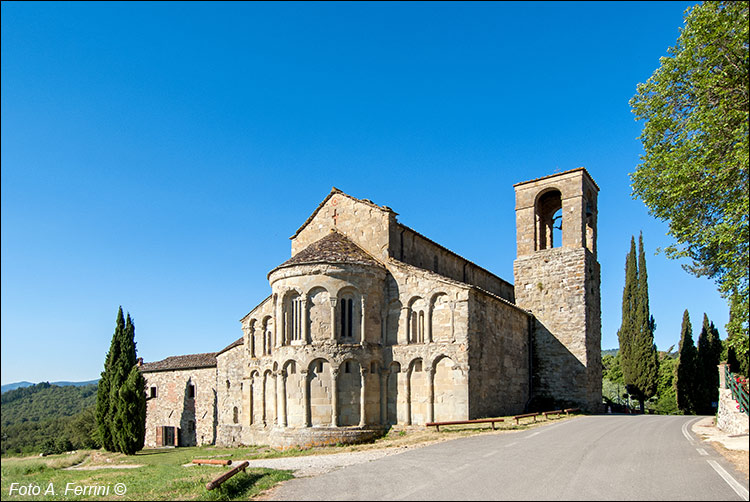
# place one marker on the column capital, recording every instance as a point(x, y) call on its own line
point(333, 301)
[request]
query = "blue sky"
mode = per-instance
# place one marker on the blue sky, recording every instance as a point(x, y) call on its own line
point(158, 156)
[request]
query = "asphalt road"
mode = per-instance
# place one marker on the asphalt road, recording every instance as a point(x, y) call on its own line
point(607, 457)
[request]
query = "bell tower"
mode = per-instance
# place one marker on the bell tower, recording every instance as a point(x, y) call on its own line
point(557, 278)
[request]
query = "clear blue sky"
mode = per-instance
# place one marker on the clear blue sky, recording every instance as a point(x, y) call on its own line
point(159, 155)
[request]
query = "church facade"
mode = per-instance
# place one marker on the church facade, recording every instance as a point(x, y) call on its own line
point(371, 325)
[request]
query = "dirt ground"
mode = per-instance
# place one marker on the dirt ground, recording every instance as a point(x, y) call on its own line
point(738, 458)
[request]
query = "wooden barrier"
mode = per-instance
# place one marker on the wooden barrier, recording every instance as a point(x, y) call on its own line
point(555, 412)
point(211, 461)
point(518, 417)
point(218, 481)
point(572, 410)
point(462, 422)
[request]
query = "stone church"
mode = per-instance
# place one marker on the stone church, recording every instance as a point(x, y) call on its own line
point(370, 325)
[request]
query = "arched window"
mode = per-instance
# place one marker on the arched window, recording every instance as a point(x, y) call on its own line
point(235, 415)
point(347, 325)
point(293, 317)
point(549, 220)
point(416, 321)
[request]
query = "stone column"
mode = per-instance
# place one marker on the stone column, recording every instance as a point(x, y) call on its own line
point(362, 396)
point(383, 325)
point(408, 397)
point(383, 396)
point(306, 396)
point(282, 399)
point(263, 395)
point(251, 404)
point(305, 321)
point(278, 321)
point(428, 322)
point(251, 336)
point(722, 375)
point(275, 398)
point(430, 395)
point(362, 322)
point(408, 325)
point(333, 318)
point(334, 398)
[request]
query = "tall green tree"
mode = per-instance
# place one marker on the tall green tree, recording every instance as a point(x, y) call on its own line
point(687, 368)
point(625, 334)
point(103, 408)
point(709, 353)
point(122, 426)
point(640, 360)
point(694, 171)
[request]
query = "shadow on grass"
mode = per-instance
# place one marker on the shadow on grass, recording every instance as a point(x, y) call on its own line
point(247, 484)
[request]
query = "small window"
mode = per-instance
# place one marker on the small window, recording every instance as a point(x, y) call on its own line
point(373, 367)
point(228, 384)
point(191, 391)
point(320, 367)
point(347, 368)
point(152, 393)
point(235, 415)
point(435, 263)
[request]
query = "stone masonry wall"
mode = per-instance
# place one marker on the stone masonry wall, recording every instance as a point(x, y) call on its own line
point(364, 223)
point(410, 247)
point(560, 286)
point(229, 388)
point(499, 346)
point(172, 407)
point(728, 418)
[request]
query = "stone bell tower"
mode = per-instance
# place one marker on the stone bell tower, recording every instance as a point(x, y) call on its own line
point(559, 283)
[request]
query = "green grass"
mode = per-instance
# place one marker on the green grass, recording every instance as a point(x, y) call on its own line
point(160, 477)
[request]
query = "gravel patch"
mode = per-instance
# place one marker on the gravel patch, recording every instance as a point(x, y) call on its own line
point(313, 465)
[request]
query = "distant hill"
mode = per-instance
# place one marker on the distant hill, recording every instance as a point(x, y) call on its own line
point(18, 385)
point(610, 352)
point(47, 418)
point(15, 385)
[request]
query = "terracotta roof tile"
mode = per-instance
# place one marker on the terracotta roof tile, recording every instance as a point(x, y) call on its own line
point(189, 361)
point(333, 248)
point(239, 341)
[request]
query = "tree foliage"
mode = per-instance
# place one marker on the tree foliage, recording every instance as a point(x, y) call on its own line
point(121, 400)
point(694, 171)
point(685, 380)
point(639, 359)
point(46, 418)
point(709, 353)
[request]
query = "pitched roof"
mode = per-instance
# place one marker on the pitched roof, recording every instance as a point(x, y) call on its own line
point(558, 174)
point(333, 192)
point(333, 248)
point(189, 361)
point(239, 341)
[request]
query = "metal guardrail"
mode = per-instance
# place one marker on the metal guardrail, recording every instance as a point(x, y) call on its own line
point(739, 392)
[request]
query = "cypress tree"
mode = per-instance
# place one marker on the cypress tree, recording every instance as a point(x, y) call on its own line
point(644, 356)
point(130, 418)
point(684, 380)
point(121, 400)
point(103, 409)
point(709, 353)
point(625, 333)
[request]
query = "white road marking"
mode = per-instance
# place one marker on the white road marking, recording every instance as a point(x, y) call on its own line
point(511, 444)
point(702, 451)
point(462, 467)
point(738, 488)
point(489, 454)
point(685, 430)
